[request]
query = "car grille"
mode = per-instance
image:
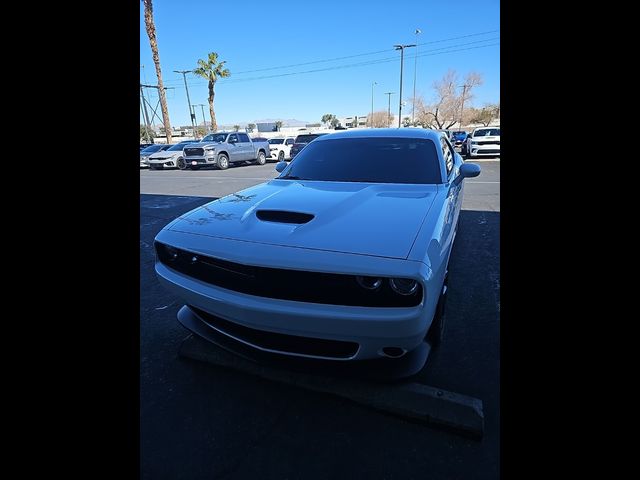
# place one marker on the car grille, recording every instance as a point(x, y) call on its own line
point(279, 342)
point(198, 152)
point(285, 284)
point(488, 150)
point(489, 142)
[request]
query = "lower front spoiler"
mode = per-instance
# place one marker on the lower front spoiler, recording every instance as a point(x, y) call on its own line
point(381, 369)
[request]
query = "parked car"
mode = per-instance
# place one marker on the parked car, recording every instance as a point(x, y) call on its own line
point(222, 148)
point(147, 152)
point(301, 141)
point(169, 158)
point(458, 138)
point(280, 148)
point(483, 142)
point(343, 257)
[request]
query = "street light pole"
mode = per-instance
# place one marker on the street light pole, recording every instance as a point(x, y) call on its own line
point(201, 105)
point(371, 121)
point(191, 114)
point(401, 48)
point(415, 74)
point(464, 91)
point(389, 108)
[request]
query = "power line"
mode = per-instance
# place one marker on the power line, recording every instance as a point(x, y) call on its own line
point(428, 53)
point(372, 62)
point(387, 50)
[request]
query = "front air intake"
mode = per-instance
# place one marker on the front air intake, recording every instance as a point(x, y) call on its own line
point(282, 216)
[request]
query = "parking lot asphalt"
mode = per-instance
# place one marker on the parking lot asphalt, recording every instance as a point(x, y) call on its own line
point(198, 421)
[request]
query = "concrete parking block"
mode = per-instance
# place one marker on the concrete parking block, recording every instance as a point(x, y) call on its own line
point(412, 401)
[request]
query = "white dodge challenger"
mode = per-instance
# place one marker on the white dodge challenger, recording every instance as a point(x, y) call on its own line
point(341, 258)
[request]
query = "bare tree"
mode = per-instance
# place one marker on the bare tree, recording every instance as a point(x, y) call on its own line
point(378, 120)
point(278, 125)
point(153, 42)
point(251, 127)
point(450, 95)
point(236, 128)
point(485, 115)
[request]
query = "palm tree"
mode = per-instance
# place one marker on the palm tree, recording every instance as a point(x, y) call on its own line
point(151, 32)
point(211, 70)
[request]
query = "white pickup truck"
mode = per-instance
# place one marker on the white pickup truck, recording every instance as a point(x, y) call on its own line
point(280, 148)
point(222, 148)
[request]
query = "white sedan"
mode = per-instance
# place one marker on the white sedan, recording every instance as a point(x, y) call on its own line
point(341, 258)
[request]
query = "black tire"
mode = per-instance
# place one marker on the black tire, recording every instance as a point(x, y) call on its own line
point(435, 334)
point(262, 159)
point(281, 156)
point(181, 164)
point(222, 162)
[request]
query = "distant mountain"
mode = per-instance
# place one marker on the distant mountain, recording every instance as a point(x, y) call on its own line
point(292, 122)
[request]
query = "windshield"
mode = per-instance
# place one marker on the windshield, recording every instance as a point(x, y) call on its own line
point(460, 134)
point(306, 138)
point(487, 132)
point(374, 160)
point(276, 141)
point(215, 137)
point(178, 147)
point(151, 149)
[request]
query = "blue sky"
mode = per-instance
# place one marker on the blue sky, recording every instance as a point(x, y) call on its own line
point(259, 35)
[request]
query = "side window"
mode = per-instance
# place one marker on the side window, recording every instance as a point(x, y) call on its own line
point(232, 138)
point(289, 141)
point(244, 137)
point(447, 155)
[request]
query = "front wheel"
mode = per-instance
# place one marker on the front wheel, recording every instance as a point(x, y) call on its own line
point(222, 161)
point(436, 331)
point(182, 165)
point(262, 159)
point(281, 156)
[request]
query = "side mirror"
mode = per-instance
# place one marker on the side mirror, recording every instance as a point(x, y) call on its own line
point(280, 166)
point(468, 170)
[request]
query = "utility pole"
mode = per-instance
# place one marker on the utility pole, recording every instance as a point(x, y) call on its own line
point(191, 114)
point(415, 73)
point(401, 48)
point(389, 108)
point(167, 134)
point(464, 91)
point(202, 105)
point(146, 115)
point(371, 123)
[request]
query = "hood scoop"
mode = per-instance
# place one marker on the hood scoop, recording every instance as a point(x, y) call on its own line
point(283, 216)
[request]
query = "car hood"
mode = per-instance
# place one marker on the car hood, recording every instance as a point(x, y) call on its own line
point(360, 218)
point(163, 155)
point(485, 138)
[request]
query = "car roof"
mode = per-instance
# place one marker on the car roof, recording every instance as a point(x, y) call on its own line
point(385, 133)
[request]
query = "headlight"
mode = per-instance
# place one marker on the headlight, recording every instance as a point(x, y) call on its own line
point(369, 283)
point(403, 286)
point(210, 151)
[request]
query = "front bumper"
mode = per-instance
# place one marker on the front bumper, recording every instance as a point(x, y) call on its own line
point(371, 329)
point(169, 163)
point(189, 161)
point(380, 369)
point(144, 163)
point(484, 150)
